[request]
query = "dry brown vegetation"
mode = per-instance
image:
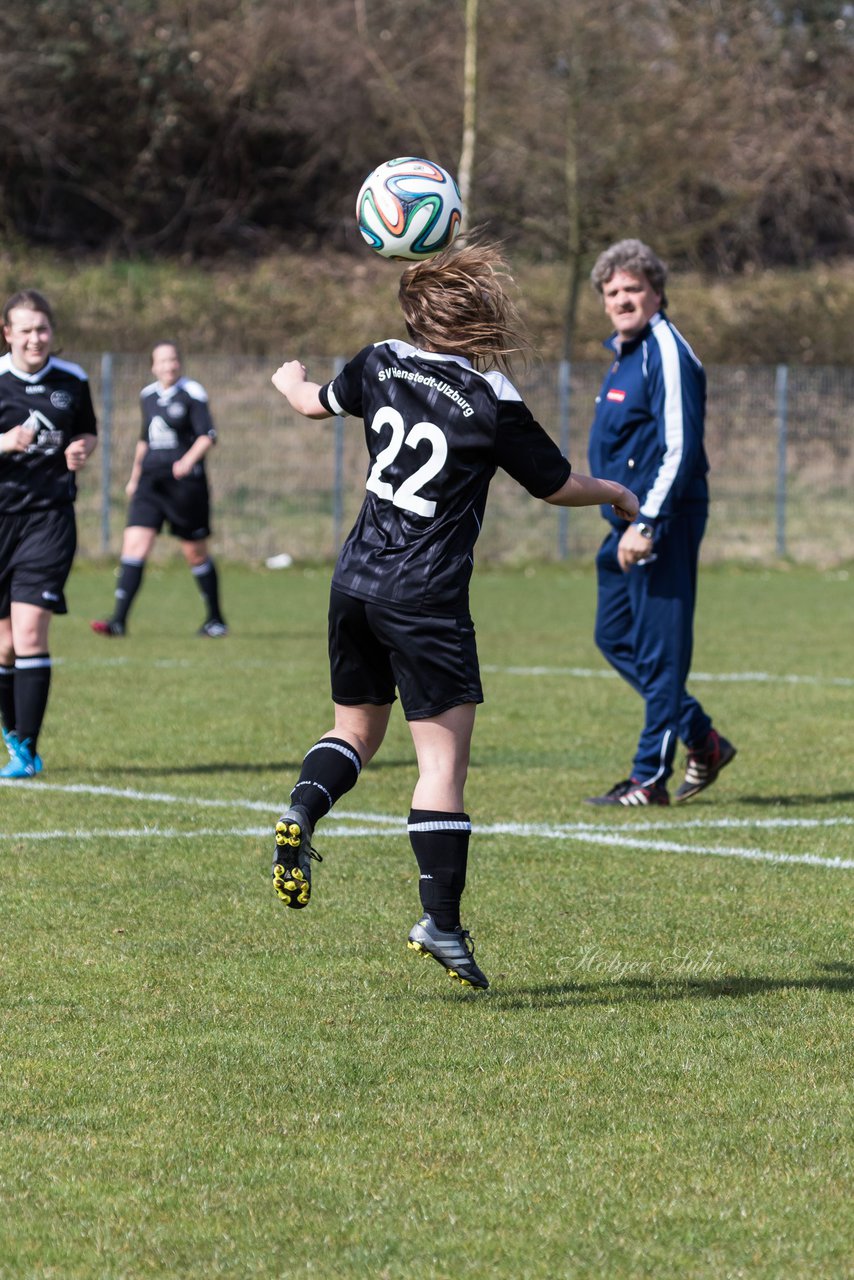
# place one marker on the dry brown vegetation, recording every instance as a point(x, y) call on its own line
point(323, 303)
point(720, 131)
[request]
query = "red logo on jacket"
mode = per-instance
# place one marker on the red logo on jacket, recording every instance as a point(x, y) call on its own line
point(614, 394)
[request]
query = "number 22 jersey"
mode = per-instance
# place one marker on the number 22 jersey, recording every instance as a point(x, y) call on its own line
point(436, 430)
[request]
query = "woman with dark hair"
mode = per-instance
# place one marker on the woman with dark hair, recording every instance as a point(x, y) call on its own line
point(440, 416)
point(47, 433)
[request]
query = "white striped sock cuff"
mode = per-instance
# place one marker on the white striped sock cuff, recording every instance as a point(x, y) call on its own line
point(438, 824)
point(327, 745)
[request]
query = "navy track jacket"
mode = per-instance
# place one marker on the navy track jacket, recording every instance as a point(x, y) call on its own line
point(647, 432)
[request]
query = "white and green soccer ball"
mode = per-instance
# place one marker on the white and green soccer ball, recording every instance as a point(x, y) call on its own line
point(409, 208)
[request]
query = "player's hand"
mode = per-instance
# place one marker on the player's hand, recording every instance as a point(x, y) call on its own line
point(180, 470)
point(288, 375)
point(17, 439)
point(627, 506)
point(632, 548)
point(77, 453)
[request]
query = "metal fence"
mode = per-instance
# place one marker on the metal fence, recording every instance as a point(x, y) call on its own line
point(780, 442)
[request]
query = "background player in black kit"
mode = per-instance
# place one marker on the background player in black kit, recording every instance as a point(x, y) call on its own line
point(440, 416)
point(168, 482)
point(47, 432)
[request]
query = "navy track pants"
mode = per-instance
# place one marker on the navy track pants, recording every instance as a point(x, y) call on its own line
point(645, 629)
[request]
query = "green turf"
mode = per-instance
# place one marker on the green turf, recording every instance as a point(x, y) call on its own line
point(197, 1082)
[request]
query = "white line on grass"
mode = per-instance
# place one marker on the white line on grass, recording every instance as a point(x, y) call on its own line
point(732, 677)
point(333, 832)
point(362, 825)
point(578, 673)
point(35, 787)
point(127, 793)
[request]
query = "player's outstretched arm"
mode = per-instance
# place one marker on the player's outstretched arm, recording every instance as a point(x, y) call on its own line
point(588, 491)
point(301, 395)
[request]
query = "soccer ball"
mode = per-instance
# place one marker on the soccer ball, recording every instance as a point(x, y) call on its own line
point(409, 208)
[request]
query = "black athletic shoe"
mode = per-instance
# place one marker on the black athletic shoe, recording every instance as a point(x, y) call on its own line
point(632, 793)
point(453, 949)
point(106, 627)
point(213, 628)
point(703, 765)
point(293, 858)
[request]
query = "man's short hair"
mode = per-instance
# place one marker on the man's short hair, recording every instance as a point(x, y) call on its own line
point(637, 259)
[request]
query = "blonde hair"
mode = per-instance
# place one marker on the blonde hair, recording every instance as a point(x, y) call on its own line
point(457, 304)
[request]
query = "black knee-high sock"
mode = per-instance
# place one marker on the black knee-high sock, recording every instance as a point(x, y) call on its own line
point(32, 685)
point(440, 842)
point(130, 581)
point(208, 583)
point(7, 698)
point(330, 769)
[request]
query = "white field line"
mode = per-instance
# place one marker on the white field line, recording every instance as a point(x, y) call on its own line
point(577, 673)
point(641, 836)
point(706, 677)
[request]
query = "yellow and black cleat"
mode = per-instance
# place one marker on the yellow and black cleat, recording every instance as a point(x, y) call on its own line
point(291, 886)
point(288, 833)
point(293, 858)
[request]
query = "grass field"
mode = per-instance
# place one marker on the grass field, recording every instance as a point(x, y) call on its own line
point(199, 1083)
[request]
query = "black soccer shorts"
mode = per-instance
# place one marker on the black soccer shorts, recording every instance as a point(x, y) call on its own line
point(36, 553)
point(374, 649)
point(184, 503)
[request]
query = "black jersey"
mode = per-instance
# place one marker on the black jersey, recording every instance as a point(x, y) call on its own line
point(172, 420)
point(57, 402)
point(436, 430)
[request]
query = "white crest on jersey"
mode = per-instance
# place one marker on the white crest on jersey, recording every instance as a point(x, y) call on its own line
point(161, 435)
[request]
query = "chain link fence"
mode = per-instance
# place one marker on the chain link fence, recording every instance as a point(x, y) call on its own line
point(780, 442)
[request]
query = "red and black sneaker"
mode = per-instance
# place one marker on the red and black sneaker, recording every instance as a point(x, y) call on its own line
point(632, 793)
point(703, 765)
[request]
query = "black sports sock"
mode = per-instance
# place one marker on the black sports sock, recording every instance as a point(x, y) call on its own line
point(7, 698)
point(330, 769)
point(32, 685)
point(440, 842)
point(208, 583)
point(130, 581)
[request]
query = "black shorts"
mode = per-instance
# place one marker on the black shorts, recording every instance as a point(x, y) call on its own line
point(36, 553)
point(373, 649)
point(184, 503)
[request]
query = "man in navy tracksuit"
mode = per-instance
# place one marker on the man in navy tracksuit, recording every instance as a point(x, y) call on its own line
point(648, 433)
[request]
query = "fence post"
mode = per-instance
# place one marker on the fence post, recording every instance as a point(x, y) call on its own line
point(782, 400)
point(563, 393)
point(338, 481)
point(105, 433)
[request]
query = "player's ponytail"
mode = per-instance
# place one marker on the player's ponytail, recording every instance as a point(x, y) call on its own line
point(458, 304)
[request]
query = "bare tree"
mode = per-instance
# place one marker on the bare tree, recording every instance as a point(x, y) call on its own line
point(469, 108)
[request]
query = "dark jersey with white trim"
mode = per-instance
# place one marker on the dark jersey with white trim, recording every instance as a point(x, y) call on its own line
point(436, 430)
point(172, 420)
point(58, 403)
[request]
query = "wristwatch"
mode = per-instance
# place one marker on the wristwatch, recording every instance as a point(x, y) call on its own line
point(645, 530)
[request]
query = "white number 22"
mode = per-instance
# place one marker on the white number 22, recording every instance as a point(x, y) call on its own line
point(406, 496)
